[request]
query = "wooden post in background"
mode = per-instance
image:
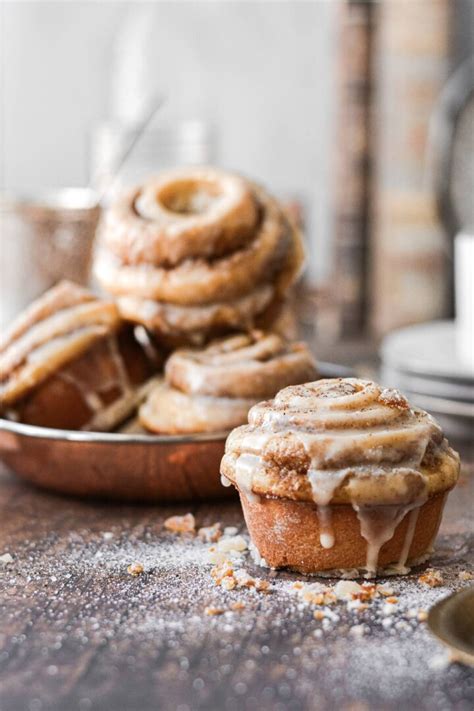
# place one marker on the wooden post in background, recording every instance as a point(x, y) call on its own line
point(408, 249)
point(352, 170)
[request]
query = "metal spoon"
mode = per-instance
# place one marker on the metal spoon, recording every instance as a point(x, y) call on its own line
point(452, 621)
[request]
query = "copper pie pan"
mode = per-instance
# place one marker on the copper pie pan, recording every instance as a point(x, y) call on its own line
point(122, 466)
point(125, 467)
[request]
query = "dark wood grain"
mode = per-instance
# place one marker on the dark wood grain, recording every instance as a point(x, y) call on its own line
point(78, 632)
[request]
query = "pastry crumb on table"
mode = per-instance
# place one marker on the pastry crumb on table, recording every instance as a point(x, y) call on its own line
point(80, 630)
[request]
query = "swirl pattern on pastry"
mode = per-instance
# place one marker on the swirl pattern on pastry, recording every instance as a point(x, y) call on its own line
point(191, 213)
point(69, 362)
point(175, 322)
point(204, 245)
point(201, 281)
point(52, 331)
point(213, 389)
point(340, 441)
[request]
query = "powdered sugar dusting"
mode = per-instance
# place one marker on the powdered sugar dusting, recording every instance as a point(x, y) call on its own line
point(174, 610)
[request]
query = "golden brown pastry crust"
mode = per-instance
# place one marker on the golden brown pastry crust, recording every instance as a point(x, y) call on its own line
point(340, 473)
point(68, 362)
point(183, 214)
point(291, 483)
point(287, 534)
point(213, 389)
point(251, 365)
point(54, 330)
point(193, 274)
point(201, 281)
point(358, 445)
point(170, 411)
point(174, 323)
point(96, 391)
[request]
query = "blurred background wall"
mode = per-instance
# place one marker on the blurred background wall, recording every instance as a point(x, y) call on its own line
point(261, 73)
point(328, 103)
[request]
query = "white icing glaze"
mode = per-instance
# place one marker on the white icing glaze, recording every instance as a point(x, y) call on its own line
point(107, 418)
point(54, 330)
point(244, 471)
point(377, 526)
point(356, 435)
point(412, 519)
point(326, 536)
point(323, 488)
point(91, 397)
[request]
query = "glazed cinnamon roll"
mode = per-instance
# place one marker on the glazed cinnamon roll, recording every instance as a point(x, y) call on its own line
point(212, 390)
point(341, 475)
point(68, 362)
point(197, 252)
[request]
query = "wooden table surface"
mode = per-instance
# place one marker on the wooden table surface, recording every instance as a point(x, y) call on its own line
point(78, 632)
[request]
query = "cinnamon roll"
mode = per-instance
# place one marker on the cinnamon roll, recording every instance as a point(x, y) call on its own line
point(340, 475)
point(68, 362)
point(197, 252)
point(212, 390)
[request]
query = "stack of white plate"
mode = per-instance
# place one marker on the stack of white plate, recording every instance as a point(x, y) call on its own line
point(422, 362)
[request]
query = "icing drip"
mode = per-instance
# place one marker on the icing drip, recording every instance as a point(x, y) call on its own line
point(244, 471)
point(123, 380)
point(377, 526)
point(225, 481)
point(326, 536)
point(413, 518)
point(323, 488)
point(105, 417)
point(353, 438)
point(90, 396)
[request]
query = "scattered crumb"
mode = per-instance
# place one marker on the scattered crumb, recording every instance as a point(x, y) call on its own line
point(224, 569)
point(231, 531)
point(181, 603)
point(346, 589)
point(357, 605)
point(5, 559)
point(181, 524)
point(368, 592)
point(135, 569)
point(229, 579)
point(231, 546)
point(234, 543)
point(210, 534)
point(385, 589)
point(107, 535)
point(262, 585)
point(392, 600)
point(431, 577)
point(465, 575)
point(238, 606)
point(228, 583)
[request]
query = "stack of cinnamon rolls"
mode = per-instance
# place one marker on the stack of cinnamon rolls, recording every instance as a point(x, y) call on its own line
point(199, 259)
point(197, 253)
point(333, 474)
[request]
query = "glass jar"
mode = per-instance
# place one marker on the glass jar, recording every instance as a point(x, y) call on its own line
point(182, 143)
point(45, 237)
